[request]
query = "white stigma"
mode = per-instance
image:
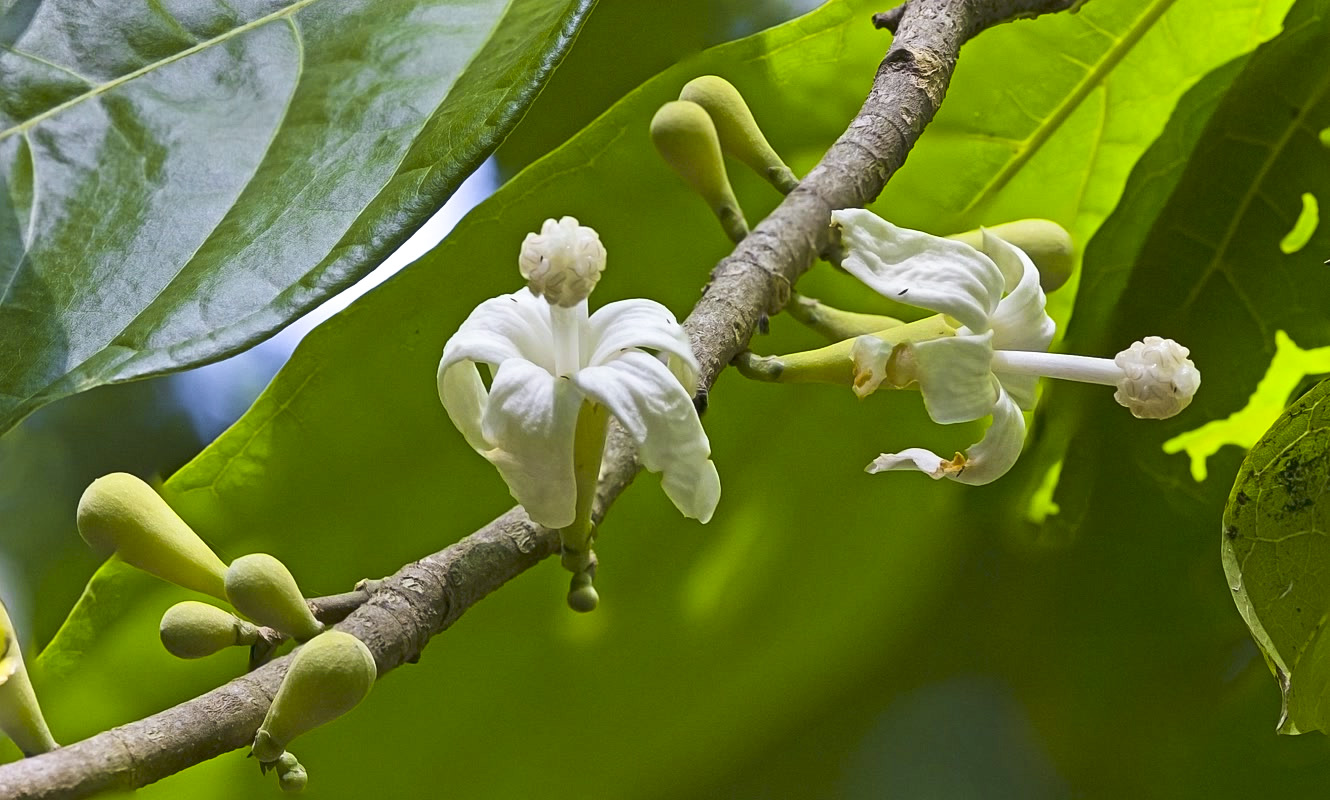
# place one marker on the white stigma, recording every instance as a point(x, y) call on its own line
point(563, 262)
point(1158, 380)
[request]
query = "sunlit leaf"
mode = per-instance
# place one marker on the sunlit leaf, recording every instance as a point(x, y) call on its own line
point(180, 180)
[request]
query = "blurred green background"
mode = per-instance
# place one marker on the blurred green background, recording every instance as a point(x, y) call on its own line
point(829, 634)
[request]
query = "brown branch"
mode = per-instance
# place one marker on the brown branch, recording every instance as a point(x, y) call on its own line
point(425, 597)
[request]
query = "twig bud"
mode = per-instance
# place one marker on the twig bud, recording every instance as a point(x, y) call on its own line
point(737, 129)
point(20, 716)
point(120, 513)
point(327, 678)
point(193, 630)
point(686, 138)
point(263, 589)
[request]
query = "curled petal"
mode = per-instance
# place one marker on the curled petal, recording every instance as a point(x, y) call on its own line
point(1020, 322)
point(629, 324)
point(997, 452)
point(983, 463)
point(955, 376)
point(920, 269)
point(513, 325)
point(464, 398)
point(658, 413)
point(528, 421)
point(913, 458)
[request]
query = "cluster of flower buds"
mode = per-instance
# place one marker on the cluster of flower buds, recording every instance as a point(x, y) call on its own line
point(121, 514)
point(691, 133)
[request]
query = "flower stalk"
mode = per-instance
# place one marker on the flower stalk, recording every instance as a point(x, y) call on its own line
point(576, 539)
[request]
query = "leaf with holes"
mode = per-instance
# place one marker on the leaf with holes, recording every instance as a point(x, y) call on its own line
point(1276, 545)
point(178, 180)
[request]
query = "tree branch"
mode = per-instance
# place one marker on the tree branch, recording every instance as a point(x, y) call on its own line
point(425, 597)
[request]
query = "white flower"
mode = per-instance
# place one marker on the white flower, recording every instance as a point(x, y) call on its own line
point(991, 364)
point(547, 358)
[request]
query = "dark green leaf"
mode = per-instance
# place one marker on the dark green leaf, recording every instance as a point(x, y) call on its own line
point(179, 180)
point(1276, 549)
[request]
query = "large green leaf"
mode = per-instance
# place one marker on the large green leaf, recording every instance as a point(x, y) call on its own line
point(700, 654)
point(1275, 555)
point(180, 180)
point(1192, 253)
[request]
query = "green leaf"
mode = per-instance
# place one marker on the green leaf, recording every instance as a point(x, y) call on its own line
point(1191, 253)
point(1276, 547)
point(1054, 131)
point(1194, 255)
point(180, 180)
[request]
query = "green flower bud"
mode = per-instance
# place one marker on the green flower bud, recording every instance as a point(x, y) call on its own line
point(291, 776)
point(1047, 244)
point(582, 595)
point(121, 513)
point(327, 678)
point(686, 138)
point(20, 717)
point(739, 135)
point(262, 588)
point(193, 630)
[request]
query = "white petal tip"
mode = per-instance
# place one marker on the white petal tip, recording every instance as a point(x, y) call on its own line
point(563, 262)
point(1159, 380)
point(915, 459)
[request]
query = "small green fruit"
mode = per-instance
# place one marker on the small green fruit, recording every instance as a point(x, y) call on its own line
point(738, 131)
point(686, 138)
point(20, 717)
point(328, 677)
point(262, 588)
point(121, 513)
point(1047, 244)
point(193, 630)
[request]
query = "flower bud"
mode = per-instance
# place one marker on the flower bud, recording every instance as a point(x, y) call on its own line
point(563, 262)
point(686, 138)
point(327, 678)
point(193, 630)
point(121, 513)
point(20, 716)
point(1047, 244)
point(737, 130)
point(262, 588)
point(291, 776)
point(1158, 379)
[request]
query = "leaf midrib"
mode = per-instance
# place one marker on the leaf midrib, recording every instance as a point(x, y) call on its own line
point(147, 68)
point(1092, 80)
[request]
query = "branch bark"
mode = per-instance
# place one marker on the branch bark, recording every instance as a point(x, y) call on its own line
point(425, 597)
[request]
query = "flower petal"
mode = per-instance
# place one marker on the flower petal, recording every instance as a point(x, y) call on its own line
point(658, 413)
point(983, 463)
point(919, 269)
point(530, 420)
point(997, 452)
point(464, 398)
point(629, 324)
point(513, 325)
point(914, 458)
point(870, 356)
point(1020, 322)
point(955, 376)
